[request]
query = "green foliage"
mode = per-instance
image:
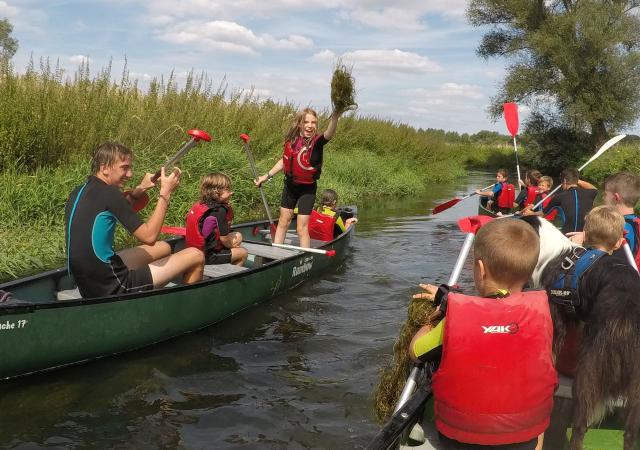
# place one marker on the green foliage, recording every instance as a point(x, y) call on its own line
point(8, 45)
point(49, 127)
point(577, 59)
point(623, 156)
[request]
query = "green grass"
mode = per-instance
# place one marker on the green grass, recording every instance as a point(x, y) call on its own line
point(50, 125)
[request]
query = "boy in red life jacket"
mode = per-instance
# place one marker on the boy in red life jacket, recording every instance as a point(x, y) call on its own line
point(502, 196)
point(495, 382)
point(209, 223)
point(529, 193)
point(302, 164)
point(326, 223)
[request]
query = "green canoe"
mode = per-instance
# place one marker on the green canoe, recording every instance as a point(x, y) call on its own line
point(47, 325)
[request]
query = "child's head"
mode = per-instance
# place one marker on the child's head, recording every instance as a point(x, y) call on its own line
point(505, 254)
point(604, 228)
point(545, 183)
point(570, 177)
point(622, 188)
point(329, 198)
point(502, 175)
point(215, 187)
point(533, 177)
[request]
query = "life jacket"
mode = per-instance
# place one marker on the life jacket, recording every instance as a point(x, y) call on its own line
point(532, 195)
point(545, 202)
point(194, 219)
point(297, 161)
point(564, 290)
point(496, 378)
point(321, 225)
point(635, 225)
point(507, 196)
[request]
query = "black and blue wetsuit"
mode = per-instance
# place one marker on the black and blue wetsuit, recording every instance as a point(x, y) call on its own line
point(572, 206)
point(91, 215)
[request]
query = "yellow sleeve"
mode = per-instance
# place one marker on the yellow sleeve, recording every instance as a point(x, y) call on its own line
point(430, 341)
point(340, 224)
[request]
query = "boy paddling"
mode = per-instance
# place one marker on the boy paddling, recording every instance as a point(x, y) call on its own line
point(91, 214)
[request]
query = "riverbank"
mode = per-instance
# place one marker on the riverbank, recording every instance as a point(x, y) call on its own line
point(50, 126)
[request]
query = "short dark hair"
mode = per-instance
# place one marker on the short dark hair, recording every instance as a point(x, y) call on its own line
point(570, 175)
point(329, 197)
point(106, 154)
point(503, 172)
point(626, 185)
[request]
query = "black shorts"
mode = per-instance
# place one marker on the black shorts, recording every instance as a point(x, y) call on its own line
point(304, 195)
point(450, 444)
point(221, 257)
point(130, 280)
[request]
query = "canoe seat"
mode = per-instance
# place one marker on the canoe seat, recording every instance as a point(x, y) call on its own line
point(291, 238)
point(219, 270)
point(266, 251)
point(69, 294)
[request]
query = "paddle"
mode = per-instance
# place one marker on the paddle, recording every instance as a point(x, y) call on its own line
point(511, 118)
point(448, 204)
point(606, 146)
point(252, 163)
point(629, 255)
point(196, 135)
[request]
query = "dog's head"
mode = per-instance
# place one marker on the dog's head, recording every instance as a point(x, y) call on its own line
point(553, 245)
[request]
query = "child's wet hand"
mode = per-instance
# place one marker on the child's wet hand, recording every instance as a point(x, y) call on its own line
point(429, 294)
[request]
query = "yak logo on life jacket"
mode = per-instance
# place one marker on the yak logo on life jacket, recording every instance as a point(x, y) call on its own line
point(512, 328)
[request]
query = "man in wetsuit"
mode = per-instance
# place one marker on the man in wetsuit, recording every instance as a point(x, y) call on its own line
point(573, 203)
point(91, 214)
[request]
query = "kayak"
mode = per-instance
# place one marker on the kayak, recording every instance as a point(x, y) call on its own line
point(46, 325)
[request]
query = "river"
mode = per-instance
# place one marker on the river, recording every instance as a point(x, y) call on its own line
point(297, 372)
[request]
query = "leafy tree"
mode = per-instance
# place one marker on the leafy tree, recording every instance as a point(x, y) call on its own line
point(573, 60)
point(8, 45)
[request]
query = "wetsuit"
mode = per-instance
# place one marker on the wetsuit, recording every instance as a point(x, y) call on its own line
point(91, 214)
point(572, 206)
point(304, 195)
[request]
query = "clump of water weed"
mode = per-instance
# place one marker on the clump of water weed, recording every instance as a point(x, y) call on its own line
point(343, 90)
point(395, 373)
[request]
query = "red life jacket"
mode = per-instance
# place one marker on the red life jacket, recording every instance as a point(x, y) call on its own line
point(321, 226)
point(635, 225)
point(193, 236)
point(297, 161)
point(507, 196)
point(532, 194)
point(545, 202)
point(496, 379)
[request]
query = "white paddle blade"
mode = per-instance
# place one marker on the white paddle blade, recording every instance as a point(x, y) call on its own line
point(606, 146)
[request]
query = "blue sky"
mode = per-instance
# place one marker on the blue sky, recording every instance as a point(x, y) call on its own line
point(414, 61)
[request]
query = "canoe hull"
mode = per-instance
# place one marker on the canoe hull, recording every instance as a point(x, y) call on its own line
point(43, 336)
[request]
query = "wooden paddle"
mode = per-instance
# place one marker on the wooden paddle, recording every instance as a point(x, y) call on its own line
point(448, 204)
point(511, 118)
point(252, 163)
point(196, 135)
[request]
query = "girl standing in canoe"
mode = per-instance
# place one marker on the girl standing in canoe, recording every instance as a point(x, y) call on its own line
point(302, 164)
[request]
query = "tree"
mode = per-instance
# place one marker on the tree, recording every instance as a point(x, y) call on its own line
point(573, 60)
point(8, 45)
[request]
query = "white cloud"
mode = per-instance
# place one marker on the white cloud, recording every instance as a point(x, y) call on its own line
point(391, 61)
point(140, 76)
point(385, 18)
point(8, 11)
point(324, 57)
point(461, 90)
point(79, 59)
point(229, 37)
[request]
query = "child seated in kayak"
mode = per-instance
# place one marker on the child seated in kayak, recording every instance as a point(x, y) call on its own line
point(529, 192)
point(495, 381)
point(327, 222)
point(209, 223)
point(501, 197)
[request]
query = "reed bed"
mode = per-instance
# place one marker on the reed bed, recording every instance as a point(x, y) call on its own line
point(50, 125)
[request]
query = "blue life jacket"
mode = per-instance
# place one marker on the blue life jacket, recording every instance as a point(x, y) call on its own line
point(564, 291)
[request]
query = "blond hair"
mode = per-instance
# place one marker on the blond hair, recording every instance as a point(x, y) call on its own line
point(296, 128)
point(509, 250)
point(626, 185)
point(546, 179)
point(212, 186)
point(603, 227)
point(108, 154)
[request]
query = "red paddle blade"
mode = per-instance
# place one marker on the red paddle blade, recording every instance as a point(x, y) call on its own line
point(446, 205)
point(331, 253)
point(244, 137)
point(472, 224)
point(180, 231)
point(199, 134)
point(511, 117)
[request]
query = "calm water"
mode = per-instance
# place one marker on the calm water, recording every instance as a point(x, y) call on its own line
point(297, 372)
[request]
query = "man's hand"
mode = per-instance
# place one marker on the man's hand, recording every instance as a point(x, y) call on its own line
point(146, 183)
point(169, 183)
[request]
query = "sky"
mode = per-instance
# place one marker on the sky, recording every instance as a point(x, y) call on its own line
point(414, 61)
